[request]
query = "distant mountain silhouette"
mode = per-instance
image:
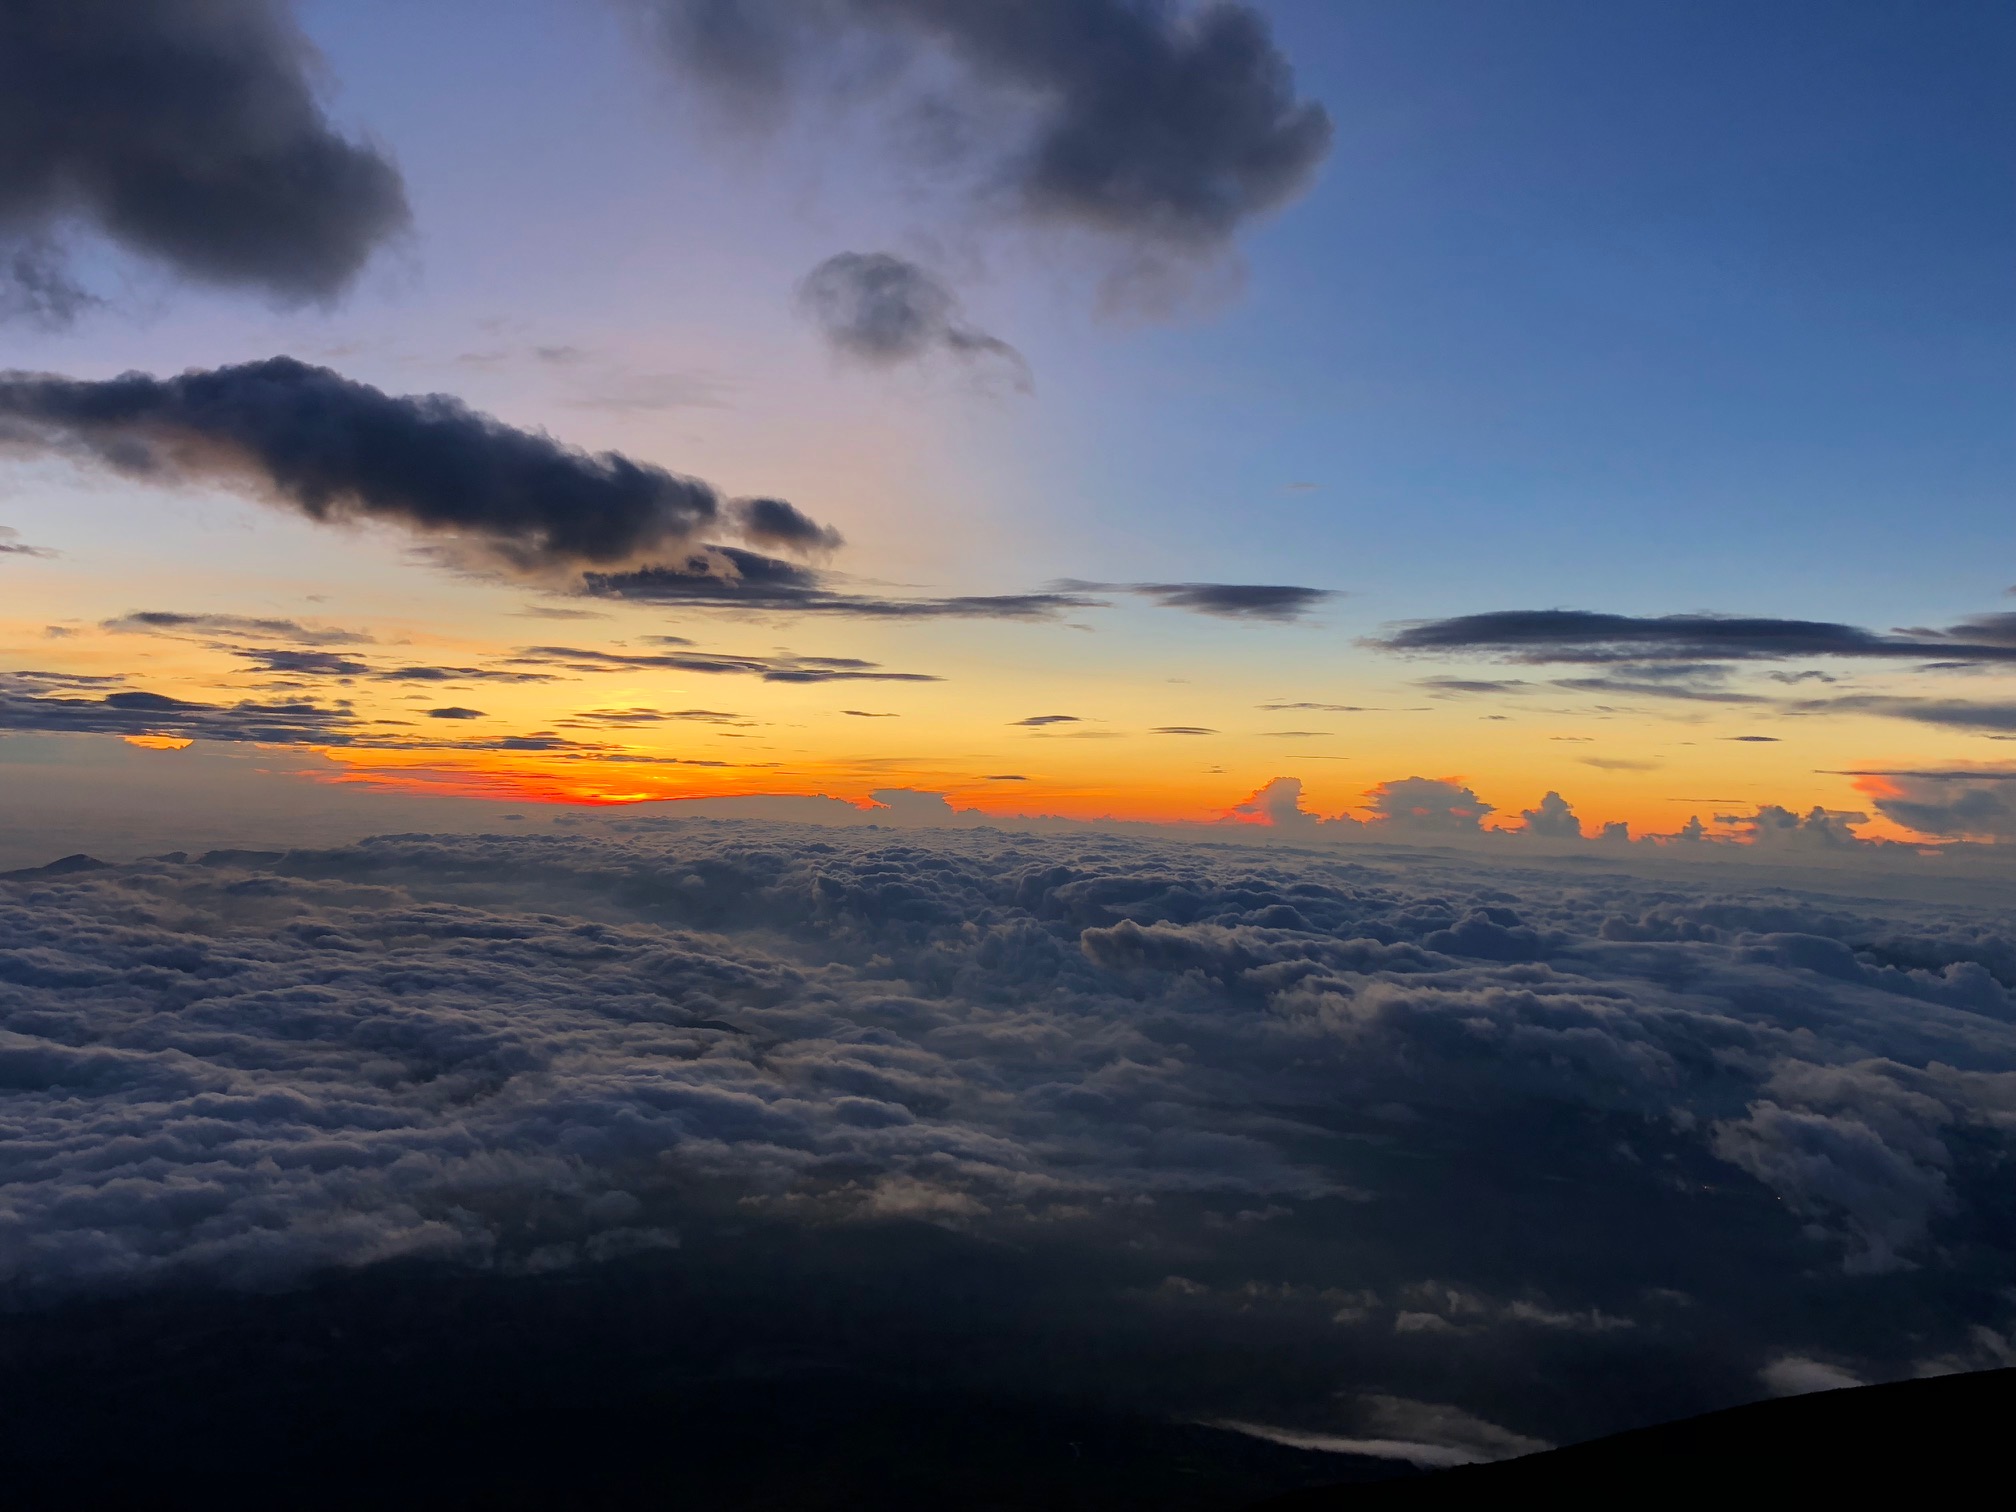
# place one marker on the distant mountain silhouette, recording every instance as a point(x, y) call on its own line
point(1912, 1441)
point(60, 868)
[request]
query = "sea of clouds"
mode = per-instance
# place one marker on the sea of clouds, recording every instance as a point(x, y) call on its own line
point(1419, 1148)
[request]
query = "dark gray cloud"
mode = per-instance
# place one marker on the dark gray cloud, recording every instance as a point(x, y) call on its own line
point(165, 622)
point(187, 132)
point(1043, 721)
point(778, 669)
point(1227, 1121)
point(727, 577)
point(11, 544)
point(336, 450)
point(455, 711)
point(1181, 730)
point(1279, 602)
point(880, 309)
point(1155, 122)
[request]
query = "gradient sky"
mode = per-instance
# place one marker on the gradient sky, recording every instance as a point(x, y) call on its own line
point(1656, 309)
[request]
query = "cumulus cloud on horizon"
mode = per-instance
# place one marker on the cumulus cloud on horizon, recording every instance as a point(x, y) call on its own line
point(1203, 1094)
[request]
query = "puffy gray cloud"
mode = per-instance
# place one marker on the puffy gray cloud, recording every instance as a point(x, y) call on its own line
point(1577, 635)
point(336, 450)
point(1232, 1119)
point(882, 309)
point(187, 132)
point(1156, 122)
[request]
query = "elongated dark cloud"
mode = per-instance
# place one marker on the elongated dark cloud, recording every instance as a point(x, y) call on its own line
point(880, 309)
point(1149, 120)
point(727, 577)
point(1279, 602)
point(187, 132)
point(335, 450)
point(1576, 635)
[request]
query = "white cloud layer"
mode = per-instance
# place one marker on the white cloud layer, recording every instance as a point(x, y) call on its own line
point(1386, 1129)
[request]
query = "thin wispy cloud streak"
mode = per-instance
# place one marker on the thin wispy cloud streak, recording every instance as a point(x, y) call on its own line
point(882, 310)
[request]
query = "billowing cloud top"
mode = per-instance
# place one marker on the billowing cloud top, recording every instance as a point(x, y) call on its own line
point(1181, 1093)
point(186, 131)
point(335, 449)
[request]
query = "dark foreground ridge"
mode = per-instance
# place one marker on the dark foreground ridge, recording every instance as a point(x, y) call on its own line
point(432, 1389)
point(1907, 1439)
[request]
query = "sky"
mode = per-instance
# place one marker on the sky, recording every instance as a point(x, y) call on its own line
point(1287, 720)
point(1169, 402)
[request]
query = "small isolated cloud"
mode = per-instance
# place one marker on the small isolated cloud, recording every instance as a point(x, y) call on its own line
point(1182, 730)
point(1040, 721)
point(880, 309)
point(187, 132)
point(455, 711)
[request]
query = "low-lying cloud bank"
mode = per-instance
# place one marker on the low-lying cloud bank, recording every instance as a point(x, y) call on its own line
point(1334, 1130)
